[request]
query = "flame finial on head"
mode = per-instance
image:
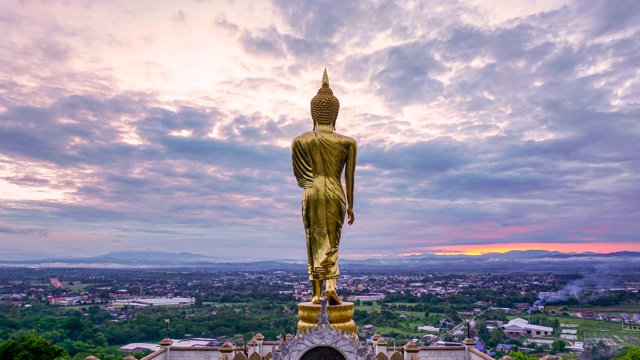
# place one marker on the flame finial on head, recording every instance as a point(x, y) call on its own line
point(325, 79)
point(325, 106)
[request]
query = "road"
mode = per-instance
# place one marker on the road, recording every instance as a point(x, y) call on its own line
point(458, 327)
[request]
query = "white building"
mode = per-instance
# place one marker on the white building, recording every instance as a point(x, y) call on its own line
point(520, 327)
point(135, 347)
point(370, 297)
point(429, 328)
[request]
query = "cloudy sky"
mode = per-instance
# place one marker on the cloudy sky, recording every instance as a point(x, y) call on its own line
point(166, 125)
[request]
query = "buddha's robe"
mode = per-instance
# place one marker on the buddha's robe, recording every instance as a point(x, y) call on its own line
point(318, 160)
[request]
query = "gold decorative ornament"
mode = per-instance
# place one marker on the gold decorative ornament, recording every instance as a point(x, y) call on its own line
point(308, 312)
point(341, 316)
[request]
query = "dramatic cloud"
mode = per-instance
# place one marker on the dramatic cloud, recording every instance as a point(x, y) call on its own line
point(168, 127)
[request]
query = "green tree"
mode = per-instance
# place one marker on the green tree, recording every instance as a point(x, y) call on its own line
point(517, 355)
point(198, 300)
point(497, 335)
point(104, 354)
point(558, 346)
point(100, 340)
point(481, 329)
point(30, 348)
point(632, 353)
point(74, 347)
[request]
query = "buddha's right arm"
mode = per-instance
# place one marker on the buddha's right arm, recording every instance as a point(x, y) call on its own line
point(349, 178)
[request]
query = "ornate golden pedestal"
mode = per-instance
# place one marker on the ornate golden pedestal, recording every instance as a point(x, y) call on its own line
point(341, 315)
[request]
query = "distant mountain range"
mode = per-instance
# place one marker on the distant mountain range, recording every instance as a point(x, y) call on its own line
point(530, 260)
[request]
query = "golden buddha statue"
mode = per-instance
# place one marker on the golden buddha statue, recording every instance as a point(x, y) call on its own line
point(319, 157)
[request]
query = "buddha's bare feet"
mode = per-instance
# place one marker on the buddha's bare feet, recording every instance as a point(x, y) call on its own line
point(316, 291)
point(333, 298)
point(331, 293)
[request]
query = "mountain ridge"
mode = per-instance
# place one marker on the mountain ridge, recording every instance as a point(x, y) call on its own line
point(525, 259)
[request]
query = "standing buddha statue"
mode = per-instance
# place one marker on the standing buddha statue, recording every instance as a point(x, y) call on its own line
point(319, 158)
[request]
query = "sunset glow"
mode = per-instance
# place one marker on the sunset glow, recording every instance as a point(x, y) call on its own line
point(475, 250)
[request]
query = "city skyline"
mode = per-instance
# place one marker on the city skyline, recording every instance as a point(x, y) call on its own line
point(482, 127)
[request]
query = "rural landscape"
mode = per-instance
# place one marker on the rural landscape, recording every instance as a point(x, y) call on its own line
point(591, 314)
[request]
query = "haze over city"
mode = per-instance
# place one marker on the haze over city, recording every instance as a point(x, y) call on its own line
point(166, 126)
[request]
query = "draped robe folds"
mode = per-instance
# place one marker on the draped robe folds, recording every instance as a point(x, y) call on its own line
point(318, 160)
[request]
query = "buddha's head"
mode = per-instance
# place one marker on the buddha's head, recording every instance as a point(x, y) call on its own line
point(324, 106)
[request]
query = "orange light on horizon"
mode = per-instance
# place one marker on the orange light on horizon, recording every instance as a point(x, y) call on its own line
point(410, 254)
point(453, 253)
point(481, 249)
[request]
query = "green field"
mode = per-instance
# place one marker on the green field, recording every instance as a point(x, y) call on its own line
point(236, 305)
point(406, 327)
point(592, 331)
point(374, 307)
point(628, 308)
point(76, 288)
